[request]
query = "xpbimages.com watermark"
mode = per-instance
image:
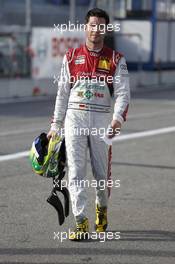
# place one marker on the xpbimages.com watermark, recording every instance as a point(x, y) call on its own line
point(83, 77)
point(100, 184)
point(102, 28)
point(85, 131)
point(101, 237)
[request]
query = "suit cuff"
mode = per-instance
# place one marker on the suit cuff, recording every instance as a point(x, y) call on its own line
point(118, 118)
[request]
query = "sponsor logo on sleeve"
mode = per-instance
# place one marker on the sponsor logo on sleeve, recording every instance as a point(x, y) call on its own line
point(124, 70)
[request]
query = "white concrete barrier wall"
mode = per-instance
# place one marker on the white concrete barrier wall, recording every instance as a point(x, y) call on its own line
point(151, 79)
point(10, 88)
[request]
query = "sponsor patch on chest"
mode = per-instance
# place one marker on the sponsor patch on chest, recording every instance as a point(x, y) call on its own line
point(80, 59)
point(104, 64)
point(89, 94)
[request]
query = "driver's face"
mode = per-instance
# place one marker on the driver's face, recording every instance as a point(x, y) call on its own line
point(96, 29)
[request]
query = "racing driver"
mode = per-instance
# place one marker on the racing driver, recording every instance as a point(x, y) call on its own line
point(90, 76)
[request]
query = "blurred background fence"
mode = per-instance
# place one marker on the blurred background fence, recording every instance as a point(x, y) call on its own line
point(31, 49)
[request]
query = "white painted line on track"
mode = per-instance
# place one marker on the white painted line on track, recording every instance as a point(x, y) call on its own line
point(148, 133)
point(143, 134)
point(130, 117)
point(14, 156)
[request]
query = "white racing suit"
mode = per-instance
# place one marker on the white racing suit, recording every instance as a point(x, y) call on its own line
point(87, 104)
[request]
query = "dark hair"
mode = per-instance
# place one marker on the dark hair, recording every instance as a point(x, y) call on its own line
point(97, 12)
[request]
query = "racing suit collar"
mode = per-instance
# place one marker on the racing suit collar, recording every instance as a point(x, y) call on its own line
point(97, 52)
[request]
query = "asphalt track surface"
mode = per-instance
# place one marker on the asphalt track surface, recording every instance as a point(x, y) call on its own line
point(142, 209)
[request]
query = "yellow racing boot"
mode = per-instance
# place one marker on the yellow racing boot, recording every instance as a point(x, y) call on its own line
point(81, 232)
point(101, 222)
